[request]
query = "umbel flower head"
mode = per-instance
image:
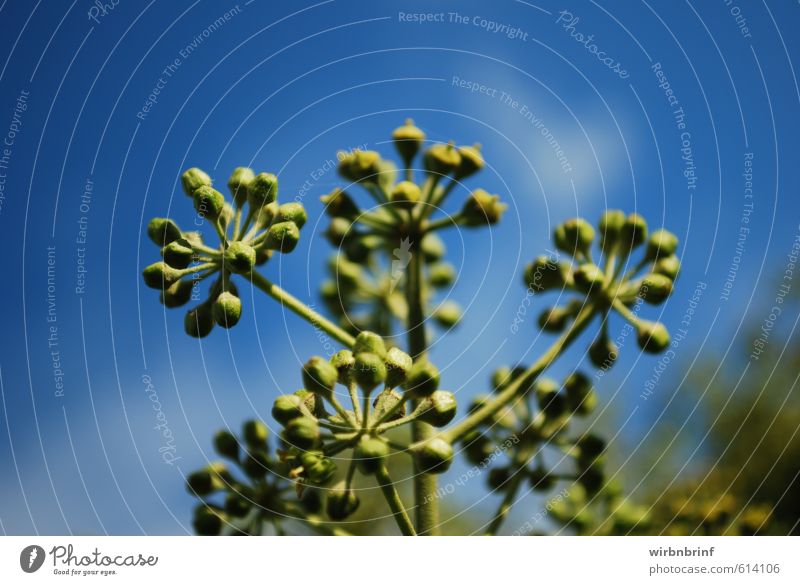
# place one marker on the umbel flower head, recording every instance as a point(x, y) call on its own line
point(250, 227)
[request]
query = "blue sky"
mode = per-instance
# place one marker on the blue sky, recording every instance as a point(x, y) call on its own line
point(281, 89)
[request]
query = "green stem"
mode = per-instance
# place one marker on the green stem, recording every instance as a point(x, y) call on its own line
point(301, 309)
point(445, 222)
point(505, 505)
point(394, 501)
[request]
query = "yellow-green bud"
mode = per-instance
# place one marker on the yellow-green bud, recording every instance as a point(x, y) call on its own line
point(439, 408)
point(262, 190)
point(236, 506)
point(398, 364)
point(448, 314)
point(178, 294)
point(611, 225)
point(348, 274)
point(433, 247)
point(160, 276)
point(549, 399)
point(405, 194)
point(442, 159)
point(433, 456)
point(634, 232)
point(669, 266)
point(302, 433)
point(497, 478)
point(408, 139)
point(471, 161)
point(339, 204)
point(192, 179)
point(318, 469)
point(319, 375)
point(544, 274)
point(239, 258)
point(574, 235)
point(581, 398)
point(199, 321)
point(652, 337)
point(589, 278)
point(540, 480)
point(360, 165)
point(283, 236)
point(481, 208)
point(339, 231)
point(294, 212)
point(208, 521)
point(208, 202)
point(590, 447)
point(178, 254)
point(370, 342)
point(655, 288)
point(344, 361)
point(163, 231)
point(369, 370)
point(603, 352)
point(265, 215)
point(226, 445)
point(207, 481)
point(441, 274)
point(369, 454)
point(477, 447)
point(238, 183)
point(385, 401)
point(555, 319)
point(341, 504)
point(662, 243)
point(286, 408)
point(256, 464)
point(255, 435)
point(422, 380)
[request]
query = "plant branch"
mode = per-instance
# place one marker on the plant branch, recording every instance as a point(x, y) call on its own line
point(394, 501)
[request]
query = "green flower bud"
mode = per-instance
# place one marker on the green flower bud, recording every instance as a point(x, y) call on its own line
point(360, 165)
point(236, 506)
point(433, 456)
point(282, 236)
point(581, 397)
point(477, 447)
point(178, 254)
point(611, 225)
point(545, 274)
point(590, 447)
point(262, 256)
point(208, 202)
point(255, 435)
point(348, 274)
point(471, 161)
point(634, 232)
point(369, 370)
point(589, 278)
point(238, 183)
point(369, 342)
point(442, 159)
point(194, 238)
point(501, 377)
point(652, 337)
point(341, 504)
point(540, 480)
point(439, 408)
point(405, 194)
point(239, 258)
point(163, 231)
point(226, 445)
point(339, 231)
point(317, 468)
point(369, 454)
point(603, 352)
point(441, 274)
point(227, 310)
point(669, 266)
point(655, 288)
point(207, 481)
point(160, 276)
point(385, 401)
point(262, 190)
point(178, 294)
point(408, 139)
point(294, 212)
point(398, 364)
point(662, 243)
point(433, 247)
point(207, 521)
point(344, 361)
point(551, 402)
point(555, 319)
point(265, 215)
point(302, 433)
point(574, 235)
point(448, 314)
point(339, 204)
point(199, 321)
point(193, 179)
point(319, 375)
point(286, 408)
point(481, 208)
point(422, 380)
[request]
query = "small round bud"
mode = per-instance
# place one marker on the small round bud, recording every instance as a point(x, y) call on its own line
point(226, 445)
point(348, 274)
point(178, 294)
point(262, 190)
point(555, 319)
point(339, 231)
point(439, 408)
point(344, 361)
point(239, 258)
point(341, 504)
point(369, 454)
point(339, 204)
point(603, 352)
point(302, 433)
point(163, 231)
point(551, 402)
point(160, 276)
point(590, 447)
point(293, 212)
point(481, 208)
point(669, 266)
point(360, 165)
point(398, 364)
point(255, 435)
point(283, 236)
point(236, 506)
point(422, 380)
point(178, 254)
point(238, 183)
point(652, 337)
point(540, 480)
point(574, 235)
point(589, 278)
point(405, 194)
point(581, 397)
point(545, 273)
point(369, 370)
point(319, 375)
point(207, 481)
point(441, 159)
point(208, 202)
point(611, 225)
point(634, 232)
point(441, 274)
point(655, 288)
point(433, 456)
point(498, 476)
point(286, 408)
point(192, 179)
point(501, 377)
point(265, 216)
point(471, 161)
point(477, 447)
point(370, 342)
point(207, 521)
point(448, 314)
point(227, 310)
point(256, 464)
point(318, 469)
point(433, 247)
point(387, 400)
point(408, 139)
point(199, 321)
point(662, 243)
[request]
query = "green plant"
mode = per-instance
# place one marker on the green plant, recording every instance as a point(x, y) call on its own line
point(388, 265)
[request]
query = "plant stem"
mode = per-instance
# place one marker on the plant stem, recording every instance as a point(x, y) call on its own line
point(505, 505)
point(490, 407)
point(394, 501)
point(300, 308)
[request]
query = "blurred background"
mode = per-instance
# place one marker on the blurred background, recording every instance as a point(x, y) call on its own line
point(684, 112)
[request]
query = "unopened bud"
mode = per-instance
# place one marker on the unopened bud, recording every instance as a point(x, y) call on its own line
point(408, 139)
point(208, 202)
point(574, 235)
point(422, 380)
point(178, 254)
point(255, 435)
point(662, 243)
point(239, 258)
point(199, 321)
point(655, 288)
point(286, 408)
point(545, 274)
point(481, 208)
point(405, 194)
point(448, 314)
point(370, 342)
point(398, 365)
point(369, 370)
point(302, 433)
point(283, 236)
point(611, 225)
point(293, 212)
point(341, 504)
point(339, 204)
point(369, 454)
point(433, 247)
point(471, 161)
point(441, 159)
point(581, 397)
point(319, 375)
point(226, 445)
point(344, 361)
point(192, 179)
point(238, 183)
point(589, 278)
point(163, 231)
point(386, 401)
point(634, 232)
point(178, 294)
point(262, 190)
point(360, 165)
point(441, 274)
point(160, 276)
point(603, 352)
point(433, 456)
point(669, 266)
point(652, 337)
point(439, 408)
